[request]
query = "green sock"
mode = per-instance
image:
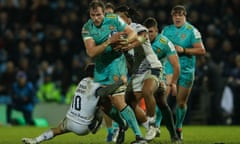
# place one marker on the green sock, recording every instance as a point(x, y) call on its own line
point(158, 117)
point(168, 120)
point(116, 116)
point(180, 115)
point(110, 130)
point(129, 116)
point(115, 124)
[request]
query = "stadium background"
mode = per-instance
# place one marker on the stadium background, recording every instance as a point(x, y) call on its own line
point(44, 37)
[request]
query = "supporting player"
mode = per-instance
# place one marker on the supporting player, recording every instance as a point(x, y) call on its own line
point(166, 52)
point(145, 71)
point(188, 43)
point(84, 114)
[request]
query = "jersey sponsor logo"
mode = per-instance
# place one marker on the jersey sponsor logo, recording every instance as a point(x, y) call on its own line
point(162, 40)
point(189, 27)
point(111, 16)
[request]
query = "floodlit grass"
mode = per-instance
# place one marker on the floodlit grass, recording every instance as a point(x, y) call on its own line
point(192, 135)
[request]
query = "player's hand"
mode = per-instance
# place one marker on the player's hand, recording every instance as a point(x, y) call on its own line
point(115, 38)
point(179, 49)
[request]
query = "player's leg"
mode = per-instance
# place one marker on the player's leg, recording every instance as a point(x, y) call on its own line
point(128, 114)
point(9, 113)
point(27, 111)
point(49, 134)
point(167, 92)
point(115, 115)
point(184, 90)
point(118, 98)
point(108, 123)
point(158, 121)
point(149, 88)
point(161, 99)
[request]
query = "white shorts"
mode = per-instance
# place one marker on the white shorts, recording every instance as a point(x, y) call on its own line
point(72, 126)
point(120, 91)
point(138, 79)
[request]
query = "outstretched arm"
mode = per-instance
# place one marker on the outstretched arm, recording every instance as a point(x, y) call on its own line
point(108, 90)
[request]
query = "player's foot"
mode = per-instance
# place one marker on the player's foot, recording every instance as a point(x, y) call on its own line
point(158, 132)
point(175, 140)
point(140, 140)
point(109, 137)
point(121, 134)
point(115, 134)
point(179, 133)
point(151, 132)
point(29, 141)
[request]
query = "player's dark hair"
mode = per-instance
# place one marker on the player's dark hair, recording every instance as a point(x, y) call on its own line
point(109, 5)
point(150, 22)
point(179, 9)
point(129, 12)
point(89, 70)
point(97, 3)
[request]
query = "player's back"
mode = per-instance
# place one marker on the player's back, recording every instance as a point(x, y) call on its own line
point(148, 58)
point(84, 101)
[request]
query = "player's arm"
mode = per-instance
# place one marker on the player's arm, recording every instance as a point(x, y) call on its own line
point(197, 46)
point(173, 59)
point(93, 50)
point(197, 49)
point(140, 39)
point(108, 90)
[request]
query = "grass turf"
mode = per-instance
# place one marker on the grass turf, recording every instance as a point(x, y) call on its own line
point(192, 135)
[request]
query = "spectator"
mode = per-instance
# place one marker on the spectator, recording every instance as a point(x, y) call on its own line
point(234, 80)
point(48, 91)
point(22, 98)
point(6, 80)
point(214, 85)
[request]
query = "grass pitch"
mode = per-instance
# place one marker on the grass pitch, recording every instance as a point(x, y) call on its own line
point(192, 135)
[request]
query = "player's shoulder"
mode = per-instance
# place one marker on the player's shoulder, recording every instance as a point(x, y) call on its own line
point(169, 27)
point(138, 27)
point(111, 16)
point(163, 39)
point(112, 19)
point(88, 23)
point(87, 26)
point(190, 27)
point(87, 79)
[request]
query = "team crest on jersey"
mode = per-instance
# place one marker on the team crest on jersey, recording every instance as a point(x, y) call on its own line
point(188, 83)
point(183, 36)
point(111, 27)
point(158, 50)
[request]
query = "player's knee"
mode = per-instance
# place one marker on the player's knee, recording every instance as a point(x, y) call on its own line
point(147, 93)
point(182, 105)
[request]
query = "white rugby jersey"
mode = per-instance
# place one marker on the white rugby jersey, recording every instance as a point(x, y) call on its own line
point(84, 102)
point(150, 60)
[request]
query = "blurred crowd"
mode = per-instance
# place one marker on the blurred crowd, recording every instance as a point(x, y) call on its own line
point(42, 38)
